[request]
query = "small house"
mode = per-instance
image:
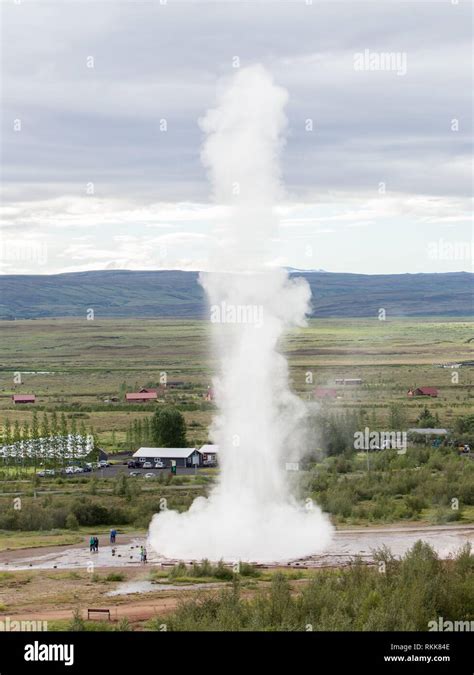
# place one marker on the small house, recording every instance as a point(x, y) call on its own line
point(209, 454)
point(184, 457)
point(23, 398)
point(325, 392)
point(423, 391)
point(428, 432)
point(141, 397)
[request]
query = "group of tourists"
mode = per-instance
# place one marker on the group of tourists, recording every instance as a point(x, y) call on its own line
point(94, 544)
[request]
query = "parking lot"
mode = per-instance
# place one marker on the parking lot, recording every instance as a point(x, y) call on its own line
point(115, 470)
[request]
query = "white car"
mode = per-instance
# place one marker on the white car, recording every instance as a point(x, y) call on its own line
point(149, 475)
point(147, 465)
point(49, 472)
point(159, 464)
point(103, 464)
point(69, 469)
point(77, 469)
point(41, 474)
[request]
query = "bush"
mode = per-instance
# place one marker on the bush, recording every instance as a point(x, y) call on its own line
point(71, 522)
point(406, 597)
point(115, 576)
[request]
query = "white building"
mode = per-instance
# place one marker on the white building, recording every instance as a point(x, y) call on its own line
point(184, 457)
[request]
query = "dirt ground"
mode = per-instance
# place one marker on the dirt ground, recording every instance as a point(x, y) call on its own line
point(43, 592)
point(56, 595)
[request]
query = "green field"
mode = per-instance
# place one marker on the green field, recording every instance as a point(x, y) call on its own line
point(74, 365)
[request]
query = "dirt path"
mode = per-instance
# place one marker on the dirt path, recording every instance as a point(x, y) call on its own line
point(133, 611)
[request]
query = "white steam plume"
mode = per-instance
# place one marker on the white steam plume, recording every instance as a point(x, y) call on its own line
point(250, 514)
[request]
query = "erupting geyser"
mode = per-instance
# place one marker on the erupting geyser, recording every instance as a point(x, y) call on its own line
point(250, 514)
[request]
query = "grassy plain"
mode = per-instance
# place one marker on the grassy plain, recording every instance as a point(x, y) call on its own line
point(76, 365)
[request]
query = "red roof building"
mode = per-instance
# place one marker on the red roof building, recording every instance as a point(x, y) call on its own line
point(423, 391)
point(325, 392)
point(141, 397)
point(23, 398)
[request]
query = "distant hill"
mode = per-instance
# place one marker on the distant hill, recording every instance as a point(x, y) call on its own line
point(174, 293)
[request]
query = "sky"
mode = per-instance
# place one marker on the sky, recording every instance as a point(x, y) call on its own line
point(101, 142)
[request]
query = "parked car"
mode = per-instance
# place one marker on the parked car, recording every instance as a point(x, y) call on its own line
point(77, 469)
point(86, 469)
point(149, 475)
point(159, 464)
point(132, 464)
point(134, 474)
point(49, 472)
point(147, 465)
point(41, 474)
point(103, 464)
point(69, 469)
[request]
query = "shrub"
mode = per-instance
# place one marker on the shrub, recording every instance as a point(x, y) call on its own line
point(71, 522)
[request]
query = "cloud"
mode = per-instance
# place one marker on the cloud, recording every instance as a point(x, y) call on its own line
point(154, 63)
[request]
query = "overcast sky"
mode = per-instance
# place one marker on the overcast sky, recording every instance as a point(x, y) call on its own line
point(381, 184)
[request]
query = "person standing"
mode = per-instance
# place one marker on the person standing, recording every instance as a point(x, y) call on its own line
point(91, 543)
point(96, 544)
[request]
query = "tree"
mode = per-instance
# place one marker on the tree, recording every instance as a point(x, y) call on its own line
point(7, 432)
point(428, 420)
point(54, 442)
point(146, 431)
point(63, 432)
point(35, 434)
point(168, 428)
point(25, 431)
point(46, 438)
point(16, 432)
point(397, 416)
point(73, 435)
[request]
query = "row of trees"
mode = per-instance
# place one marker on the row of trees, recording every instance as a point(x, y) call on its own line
point(47, 426)
point(53, 437)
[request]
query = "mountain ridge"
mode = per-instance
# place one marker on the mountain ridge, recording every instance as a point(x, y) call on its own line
point(178, 294)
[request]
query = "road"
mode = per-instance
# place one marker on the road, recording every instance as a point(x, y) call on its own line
point(117, 469)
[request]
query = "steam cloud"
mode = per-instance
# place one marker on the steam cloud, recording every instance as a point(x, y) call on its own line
point(250, 514)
